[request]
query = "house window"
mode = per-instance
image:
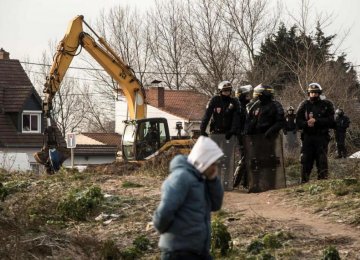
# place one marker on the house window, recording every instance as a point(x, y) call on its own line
point(31, 122)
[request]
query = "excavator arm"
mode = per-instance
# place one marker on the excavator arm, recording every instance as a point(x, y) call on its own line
point(74, 40)
point(67, 49)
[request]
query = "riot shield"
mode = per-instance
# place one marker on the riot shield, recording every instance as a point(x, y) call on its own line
point(264, 162)
point(227, 163)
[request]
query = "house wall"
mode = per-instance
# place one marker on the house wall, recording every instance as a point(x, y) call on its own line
point(24, 158)
point(121, 112)
point(91, 159)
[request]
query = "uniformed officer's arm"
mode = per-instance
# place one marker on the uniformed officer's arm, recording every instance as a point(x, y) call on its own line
point(206, 118)
point(236, 124)
point(279, 120)
point(301, 121)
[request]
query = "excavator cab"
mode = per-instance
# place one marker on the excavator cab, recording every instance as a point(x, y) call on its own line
point(144, 137)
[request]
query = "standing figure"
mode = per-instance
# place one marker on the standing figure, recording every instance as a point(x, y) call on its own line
point(243, 93)
point(223, 110)
point(290, 130)
point(263, 146)
point(342, 122)
point(188, 195)
point(314, 117)
point(265, 115)
point(224, 113)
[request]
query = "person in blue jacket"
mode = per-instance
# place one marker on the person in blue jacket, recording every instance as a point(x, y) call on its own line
point(188, 195)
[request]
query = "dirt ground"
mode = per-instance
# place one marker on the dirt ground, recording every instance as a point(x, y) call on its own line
point(306, 218)
point(274, 207)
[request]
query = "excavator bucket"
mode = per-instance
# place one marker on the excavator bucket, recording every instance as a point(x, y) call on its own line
point(227, 163)
point(264, 163)
point(52, 158)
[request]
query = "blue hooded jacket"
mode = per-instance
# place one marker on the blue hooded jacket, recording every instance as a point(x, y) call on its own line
point(183, 216)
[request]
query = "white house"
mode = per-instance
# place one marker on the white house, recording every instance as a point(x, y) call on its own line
point(185, 106)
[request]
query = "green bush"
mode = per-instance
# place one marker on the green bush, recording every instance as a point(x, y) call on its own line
point(271, 241)
point(79, 204)
point(110, 251)
point(331, 253)
point(3, 192)
point(142, 243)
point(220, 239)
point(129, 184)
point(255, 247)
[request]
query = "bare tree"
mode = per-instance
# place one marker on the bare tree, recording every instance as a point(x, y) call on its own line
point(251, 21)
point(215, 55)
point(169, 44)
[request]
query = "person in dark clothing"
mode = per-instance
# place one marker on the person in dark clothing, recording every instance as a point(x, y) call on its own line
point(314, 117)
point(224, 111)
point(188, 196)
point(243, 93)
point(290, 125)
point(290, 129)
point(265, 115)
point(342, 122)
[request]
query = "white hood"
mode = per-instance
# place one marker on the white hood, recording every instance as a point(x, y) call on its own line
point(204, 153)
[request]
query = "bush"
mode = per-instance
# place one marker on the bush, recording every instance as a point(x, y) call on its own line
point(255, 247)
point(220, 239)
point(271, 241)
point(79, 204)
point(331, 253)
point(3, 192)
point(142, 243)
point(110, 251)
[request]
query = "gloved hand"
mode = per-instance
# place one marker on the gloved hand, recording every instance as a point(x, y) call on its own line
point(204, 134)
point(228, 135)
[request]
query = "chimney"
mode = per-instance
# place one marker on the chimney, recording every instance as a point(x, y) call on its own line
point(4, 55)
point(157, 93)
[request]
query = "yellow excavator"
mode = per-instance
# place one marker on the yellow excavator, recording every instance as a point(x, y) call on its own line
point(143, 138)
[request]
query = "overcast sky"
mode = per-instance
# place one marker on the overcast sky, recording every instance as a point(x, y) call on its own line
point(27, 26)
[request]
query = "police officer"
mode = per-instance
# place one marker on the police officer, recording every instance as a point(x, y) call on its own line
point(243, 94)
point(290, 129)
point(342, 122)
point(264, 114)
point(314, 117)
point(224, 111)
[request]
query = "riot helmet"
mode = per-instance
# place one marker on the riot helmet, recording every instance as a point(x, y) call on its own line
point(314, 88)
point(224, 85)
point(243, 90)
point(262, 92)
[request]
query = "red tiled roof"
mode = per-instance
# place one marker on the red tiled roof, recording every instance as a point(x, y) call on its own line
point(186, 104)
point(12, 74)
point(111, 139)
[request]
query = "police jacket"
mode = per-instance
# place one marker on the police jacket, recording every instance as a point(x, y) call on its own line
point(224, 112)
point(321, 110)
point(264, 118)
point(183, 216)
point(341, 123)
point(242, 116)
point(290, 124)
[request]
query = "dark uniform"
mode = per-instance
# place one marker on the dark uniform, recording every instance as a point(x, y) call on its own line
point(315, 138)
point(265, 118)
point(290, 130)
point(243, 93)
point(342, 122)
point(224, 114)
